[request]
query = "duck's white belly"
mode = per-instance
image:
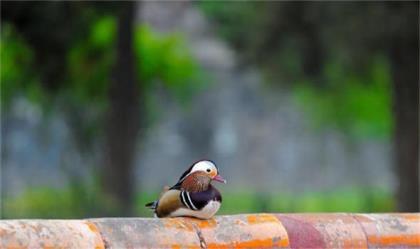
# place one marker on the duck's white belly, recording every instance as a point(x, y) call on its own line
point(205, 213)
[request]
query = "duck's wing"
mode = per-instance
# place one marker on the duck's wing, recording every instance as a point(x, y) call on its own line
point(183, 203)
point(180, 202)
point(169, 202)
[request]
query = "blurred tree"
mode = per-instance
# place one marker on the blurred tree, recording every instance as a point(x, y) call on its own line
point(403, 52)
point(100, 68)
point(123, 116)
point(334, 47)
point(68, 24)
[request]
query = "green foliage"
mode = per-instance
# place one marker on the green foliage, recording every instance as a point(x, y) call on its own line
point(240, 23)
point(166, 59)
point(359, 104)
point(160, 59)
point(340, 200)
point(294, 43)
point(45, 203)
point(90, 63)
point(232, 17)
point(79, 200)
point(17, 74)
point(83, 200)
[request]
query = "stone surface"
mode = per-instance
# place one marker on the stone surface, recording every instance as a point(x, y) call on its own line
point(323, 231)
point(147, 233)
point(49, 234)
point(332, 230)
point(302, 234)
point(243, 231)
point(391, 230)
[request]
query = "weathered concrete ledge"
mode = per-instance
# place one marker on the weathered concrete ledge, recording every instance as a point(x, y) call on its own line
point(332, 230)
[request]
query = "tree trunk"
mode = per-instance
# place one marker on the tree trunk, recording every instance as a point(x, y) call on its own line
point(405, 69)
point(123, 119)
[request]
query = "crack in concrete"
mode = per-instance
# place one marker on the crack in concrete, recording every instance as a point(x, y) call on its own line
point(101, 236)
point(203, 244)
point(363, 229)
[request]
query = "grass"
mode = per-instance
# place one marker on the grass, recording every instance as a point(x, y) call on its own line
point(83, 203)
point(342, 200)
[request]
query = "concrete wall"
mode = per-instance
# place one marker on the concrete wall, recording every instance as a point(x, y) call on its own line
point(334, 230)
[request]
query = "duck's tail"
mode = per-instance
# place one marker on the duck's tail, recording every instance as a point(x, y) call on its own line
point(152, 205)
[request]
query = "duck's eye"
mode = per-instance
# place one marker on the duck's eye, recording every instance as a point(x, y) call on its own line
point(208, 170)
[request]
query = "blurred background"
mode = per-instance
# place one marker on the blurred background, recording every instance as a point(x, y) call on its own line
point(304, 106)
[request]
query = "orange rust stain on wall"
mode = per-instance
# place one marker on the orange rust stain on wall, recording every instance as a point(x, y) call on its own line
point(411, 240)
point(410, 217)
point(261, 218)
point(92, 227)
point(175, 246)
point(100, 246)
point(283, 242)
point(218, 246)
point(177, 224)
point(265, 231)
point(263, 243)
point(353, 243)
point(254, 244)
point(205, 223)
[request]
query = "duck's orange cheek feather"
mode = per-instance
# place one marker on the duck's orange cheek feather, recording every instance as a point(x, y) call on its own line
point(213, 174)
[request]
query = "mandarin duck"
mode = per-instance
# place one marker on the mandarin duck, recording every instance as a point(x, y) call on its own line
point(193, 195)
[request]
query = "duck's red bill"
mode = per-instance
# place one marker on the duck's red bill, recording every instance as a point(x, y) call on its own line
point(219, 178)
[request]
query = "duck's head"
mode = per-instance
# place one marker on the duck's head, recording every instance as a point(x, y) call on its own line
point(204, 168)
point(199, 176)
